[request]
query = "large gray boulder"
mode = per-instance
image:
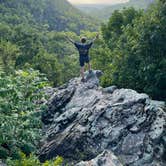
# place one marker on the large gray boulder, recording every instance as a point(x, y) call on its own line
point(83, 120)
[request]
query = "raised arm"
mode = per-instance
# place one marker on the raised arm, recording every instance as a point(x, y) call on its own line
point(70, 40)
point(96, 37)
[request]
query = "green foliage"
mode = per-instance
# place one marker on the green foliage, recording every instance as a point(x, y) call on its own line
point(131, 53)
point(24, 46)
point(137, 50)
point(48, 63)
point(28, 39)
point(32, 160)
point(20, 124)
point(48, 52)
point(117, 22)
point(57, 162)
point(8, 55)
point(45, 15)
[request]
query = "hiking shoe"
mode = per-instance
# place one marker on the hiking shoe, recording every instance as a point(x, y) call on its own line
point(83, 80)
point(90, 71)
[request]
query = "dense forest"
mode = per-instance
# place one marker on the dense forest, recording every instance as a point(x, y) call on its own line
point(46, 15)
point(35, 54)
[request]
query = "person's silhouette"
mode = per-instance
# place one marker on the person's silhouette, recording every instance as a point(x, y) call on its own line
point(83, 49)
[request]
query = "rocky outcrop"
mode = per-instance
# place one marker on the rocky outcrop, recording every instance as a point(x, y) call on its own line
point(87, 122)
point(2, 164)
point(105, 159)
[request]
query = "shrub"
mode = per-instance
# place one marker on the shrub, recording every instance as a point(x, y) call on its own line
point(20, 124)
point(32, 160)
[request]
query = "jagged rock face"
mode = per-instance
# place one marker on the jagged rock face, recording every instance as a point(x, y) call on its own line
point(83, 120)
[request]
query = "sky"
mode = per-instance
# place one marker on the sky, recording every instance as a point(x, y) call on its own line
point(97, 1)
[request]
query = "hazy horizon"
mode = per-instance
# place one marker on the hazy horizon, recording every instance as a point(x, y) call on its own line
point(97, 1)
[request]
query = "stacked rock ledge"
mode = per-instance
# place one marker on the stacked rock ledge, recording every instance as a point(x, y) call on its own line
point(87, 124)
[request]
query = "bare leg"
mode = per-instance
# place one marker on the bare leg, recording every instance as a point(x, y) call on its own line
point(89, 66)
point(82, 72)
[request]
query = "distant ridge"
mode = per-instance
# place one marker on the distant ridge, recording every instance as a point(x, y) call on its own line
point(105, 11)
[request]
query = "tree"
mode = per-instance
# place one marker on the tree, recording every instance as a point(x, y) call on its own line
point(8, 55)
point(139, 51)
point(20, 124)
point(48, 64)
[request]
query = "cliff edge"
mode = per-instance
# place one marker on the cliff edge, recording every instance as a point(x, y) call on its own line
point(90, 125)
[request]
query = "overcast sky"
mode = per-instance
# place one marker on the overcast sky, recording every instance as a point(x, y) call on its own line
point(97, 1)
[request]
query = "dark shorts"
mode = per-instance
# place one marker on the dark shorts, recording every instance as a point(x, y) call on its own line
point(83, 60)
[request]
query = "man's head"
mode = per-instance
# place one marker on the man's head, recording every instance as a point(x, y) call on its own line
point(83, 40)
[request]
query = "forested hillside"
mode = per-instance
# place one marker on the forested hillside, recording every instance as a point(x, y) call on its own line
point(105, 12)
point(32, 36)
point(56, 15)
point(137, 53)
point(33, 46)
point(34, 55)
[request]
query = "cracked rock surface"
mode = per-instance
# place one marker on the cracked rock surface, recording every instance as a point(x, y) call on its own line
point(85, 123)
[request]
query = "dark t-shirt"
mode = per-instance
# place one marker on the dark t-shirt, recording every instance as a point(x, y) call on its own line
point(83, 49)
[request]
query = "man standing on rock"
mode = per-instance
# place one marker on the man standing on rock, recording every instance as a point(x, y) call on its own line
point(83, 49)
